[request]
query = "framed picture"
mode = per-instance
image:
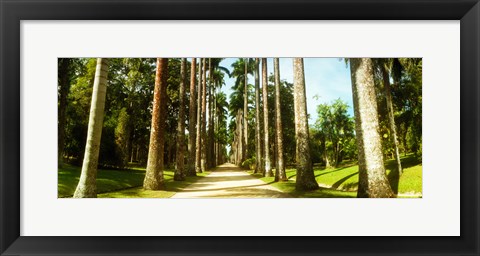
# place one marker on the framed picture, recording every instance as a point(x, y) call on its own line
point(37, 36)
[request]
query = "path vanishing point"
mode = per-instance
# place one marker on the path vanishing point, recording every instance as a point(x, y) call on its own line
point(227, 181)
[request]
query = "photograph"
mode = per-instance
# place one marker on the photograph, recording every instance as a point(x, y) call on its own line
point(239, 127)
point(244, 127)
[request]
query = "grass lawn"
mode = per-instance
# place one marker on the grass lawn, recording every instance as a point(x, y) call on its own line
point(343, 181)
point(120, 183)
point(171, 187)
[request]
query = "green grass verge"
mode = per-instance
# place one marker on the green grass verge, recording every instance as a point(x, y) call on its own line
point(171, 187)
point(343, 181)
point(120, 183)
point(289, 188)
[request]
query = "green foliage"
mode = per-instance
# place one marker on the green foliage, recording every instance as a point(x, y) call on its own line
point(406, 90)
point(109, 156)
point(127, 111)
point(236, 98)
point(128, 107)
point(122, 137)
point(316, 147)
point(288, 118)
point(78, 109)
point(334, 129)
point(249, 163)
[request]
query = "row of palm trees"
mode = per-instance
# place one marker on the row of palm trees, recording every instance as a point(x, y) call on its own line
point(372, 179)
point(203, 152)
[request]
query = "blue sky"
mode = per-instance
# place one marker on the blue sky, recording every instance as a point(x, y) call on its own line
point(327, 78)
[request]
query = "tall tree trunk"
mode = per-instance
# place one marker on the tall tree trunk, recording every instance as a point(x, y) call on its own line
point(211, 134)
point(240, 140)
point(192, 133)
point(87, 185)
point(180, 155)
point(204, 118)
point(305, 177)
point(132, 153)
point(245, 113)
point(325, 153)
point(268, 167)
point(391, 119)
point(280, 174)
point(64, 84)
point(130, 142)
point(405, 144)
point(217, 142)
point(130, 133)
point(154, 172)
point(198, 150)
point(171, 151)
point(372, 178)
point(258, 146)
point(137, 153)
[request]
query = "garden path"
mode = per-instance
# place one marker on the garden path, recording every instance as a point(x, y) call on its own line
point(229, 181)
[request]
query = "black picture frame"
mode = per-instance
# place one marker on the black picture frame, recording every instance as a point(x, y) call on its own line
point(13, 11)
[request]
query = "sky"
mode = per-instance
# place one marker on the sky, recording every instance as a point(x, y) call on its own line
point(326, 79)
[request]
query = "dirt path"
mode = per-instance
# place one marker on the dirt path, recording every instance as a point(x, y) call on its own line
point(228, 180)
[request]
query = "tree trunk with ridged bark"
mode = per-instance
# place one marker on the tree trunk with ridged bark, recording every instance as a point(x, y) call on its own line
point(198, 150)
point(391, 119)
point(373, 181)
point(305, 177)
point(154, 172)
point(192, 132)
point(280, 174)
point(245, 113)
point(180, 155)
point(211, 134)
point(87, 185)
point(204, 118)
point(268, 166)
point(258, 146)
point(238, 138)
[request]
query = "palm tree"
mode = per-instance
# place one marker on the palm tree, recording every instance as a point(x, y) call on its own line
point(217, 80)
point(280, 174)
point(204, 118)
point(240, 92)
point(154, 172)
point(216, 75)
point(372, 178)
point(87, 185)
point(211, 134)
point(198, 150)
point(236, 127)
point(221, 134)
point(258, 146)
point(268, 168)
point(179, 170)
point(305, 177)
point(391, 119)
point(245, 107)
point(237, 145)
point(192, 122)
